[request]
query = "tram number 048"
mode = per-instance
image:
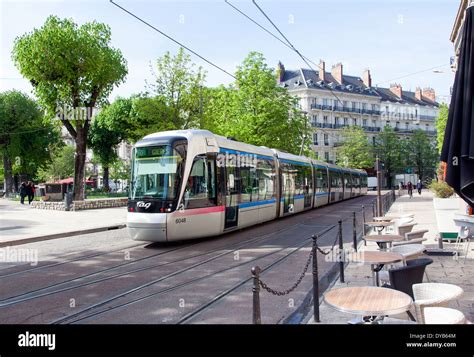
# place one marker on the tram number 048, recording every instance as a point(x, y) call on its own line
point(180, 220)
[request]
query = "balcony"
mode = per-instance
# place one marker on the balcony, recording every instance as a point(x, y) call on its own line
point(315, 106)
point(322, 125)
point(371, 128)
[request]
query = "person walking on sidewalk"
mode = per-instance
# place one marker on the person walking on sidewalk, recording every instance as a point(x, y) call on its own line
point(23, 192)
point(410, 189)
point(419, 186)
point(31, 192)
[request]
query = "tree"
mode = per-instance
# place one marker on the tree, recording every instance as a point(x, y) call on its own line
point(356, 151)
point(255, 110)
point(177, 91)
point(422, 154)
point(120, 170)
point(25, 140)
point(61, 166)
point(108, 129)
point(72, 67)
point(441, 122)
point(391, 151)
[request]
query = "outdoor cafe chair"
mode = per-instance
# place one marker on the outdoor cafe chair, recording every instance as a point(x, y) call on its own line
point(414, 237)
point(443, 315)
point(403, 278)
point(408, 252)
point(433, 295)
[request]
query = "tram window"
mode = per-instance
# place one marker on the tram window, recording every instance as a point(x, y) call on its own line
point(347, 181)
point(201, 188)
point(266, 179)
point(303, 182)
point(249, 184)
point(288, 179)
point(324, 174)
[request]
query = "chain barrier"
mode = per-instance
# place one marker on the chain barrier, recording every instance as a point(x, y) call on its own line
point(287, 291)
point(312, 257)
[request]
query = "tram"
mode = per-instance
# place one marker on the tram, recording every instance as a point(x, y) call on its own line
point(188, 184)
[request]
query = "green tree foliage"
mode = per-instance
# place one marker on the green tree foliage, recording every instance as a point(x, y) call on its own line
point(108, 129)
point(356, 151)
point(120, 170)
point(422, 154)
point(73, 66)
point(25, 139)
point(174, 98)
point(61, 166)
point(255, 110)
point(391, 150)
point(441, 122)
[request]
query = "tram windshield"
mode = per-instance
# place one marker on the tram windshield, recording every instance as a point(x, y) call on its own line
point(157, 171)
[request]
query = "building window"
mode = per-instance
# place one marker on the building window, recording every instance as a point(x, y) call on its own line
point(354, 121)
point(325, 119)
point(364, 106)
point(406, 126)
point(373, 140)
point(344, 103)
point(354, 105)
point(364, 122)
point(326, 156)
point(336, 120)
point(325, 101)
point(315, 139)
point(346, 121)
point(326, 139)
point(314, 100)
point(374, 107)
point(374, 123)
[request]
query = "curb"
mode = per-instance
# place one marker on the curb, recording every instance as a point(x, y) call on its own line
point(60, 235)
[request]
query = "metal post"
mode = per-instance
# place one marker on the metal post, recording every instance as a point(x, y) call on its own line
point(373, 210)
point(363, 220)
point(341, 253)
point(257, 320)
point(315, 280)
point(379, 184)
point(354, 231)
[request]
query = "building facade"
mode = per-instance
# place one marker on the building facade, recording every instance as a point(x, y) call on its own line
point(456, 32)
point(334, 100)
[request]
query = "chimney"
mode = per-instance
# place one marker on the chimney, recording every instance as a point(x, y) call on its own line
point(337, 72)
point(396, 89)
point(429, 93)
point(418, 94)
point(366, 78)
point(322, 70)
point(280, 72)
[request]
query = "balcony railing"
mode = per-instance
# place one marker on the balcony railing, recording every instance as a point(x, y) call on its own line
point(338, 108)
point(427, 117)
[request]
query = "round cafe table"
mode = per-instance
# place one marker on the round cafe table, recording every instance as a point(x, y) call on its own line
point(382, 219)
point(368, 300)
point(383, 240)
point(379, 226)
point(377, 259)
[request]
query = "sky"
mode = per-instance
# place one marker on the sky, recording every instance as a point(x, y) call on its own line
point(393, 38)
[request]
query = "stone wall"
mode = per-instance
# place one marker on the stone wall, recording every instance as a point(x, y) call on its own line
point(82, 205)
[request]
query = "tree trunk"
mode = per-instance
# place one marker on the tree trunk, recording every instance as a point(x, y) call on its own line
point(106, 179)
point(7, 173)
point(80, 164)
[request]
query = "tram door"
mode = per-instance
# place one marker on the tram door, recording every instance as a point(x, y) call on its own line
point(232, 190)
point(307, 187)
point(288, 194)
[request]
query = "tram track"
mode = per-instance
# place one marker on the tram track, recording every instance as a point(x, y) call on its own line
point(87, 312)
point(25, 296)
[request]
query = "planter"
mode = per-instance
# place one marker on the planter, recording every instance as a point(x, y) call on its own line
point(445, 209)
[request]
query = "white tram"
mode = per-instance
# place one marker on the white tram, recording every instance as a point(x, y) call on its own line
point(191, 183)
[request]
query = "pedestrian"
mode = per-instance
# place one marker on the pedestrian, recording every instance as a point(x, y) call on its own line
point(410, 189)
point(23, 192)
point(31, 191)
point(419, 186)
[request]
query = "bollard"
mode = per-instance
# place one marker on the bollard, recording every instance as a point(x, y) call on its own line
point(341, 254)
point(363, 220)
point(315, 280)
point(257, 320)
point(373, 209)
point(354, 231)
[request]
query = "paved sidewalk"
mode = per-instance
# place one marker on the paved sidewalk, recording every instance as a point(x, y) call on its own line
point(445, 269)
point(21, 224)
